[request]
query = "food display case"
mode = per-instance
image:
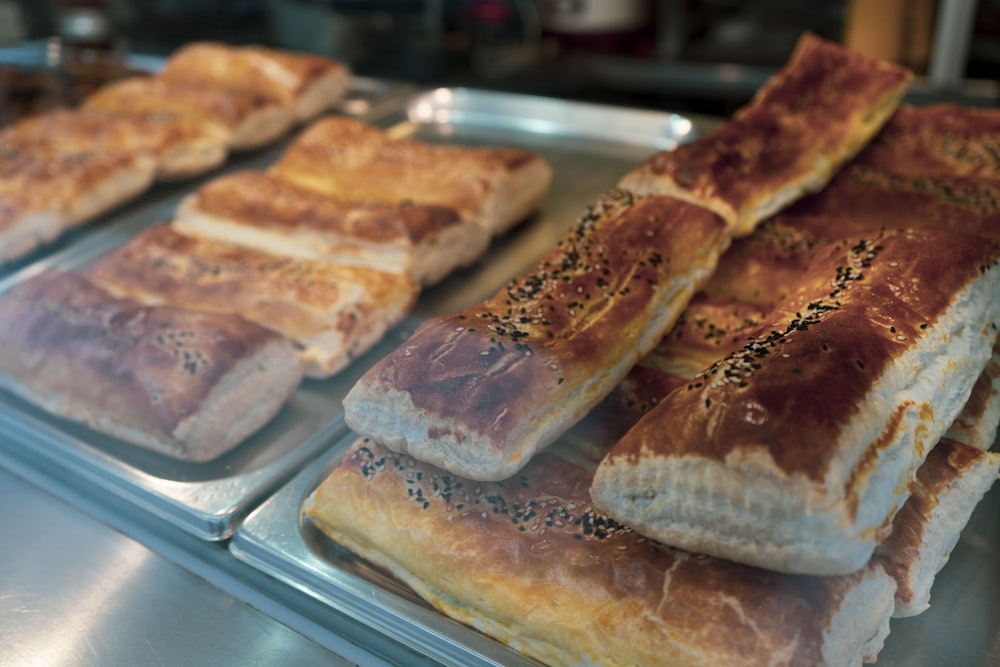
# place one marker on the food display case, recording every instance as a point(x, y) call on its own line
point(115, 555)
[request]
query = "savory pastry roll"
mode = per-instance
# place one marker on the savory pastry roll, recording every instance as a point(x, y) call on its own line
point(45, 190)
point(188, 384)
point(816, 113)
point(262, 211)
point(181, 147)
point(948, 486)
point(794, 451)
point(307, 83)
point(532, 562)
point(333, 313)
point(479, 392)
point(243, 120)
point(345, 158)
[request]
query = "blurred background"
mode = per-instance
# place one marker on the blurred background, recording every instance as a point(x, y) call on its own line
point(688, 55)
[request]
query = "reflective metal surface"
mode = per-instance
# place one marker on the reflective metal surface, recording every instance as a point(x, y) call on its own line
point(75, 592)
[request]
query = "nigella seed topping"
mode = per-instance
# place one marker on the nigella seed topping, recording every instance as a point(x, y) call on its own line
point(737, 367)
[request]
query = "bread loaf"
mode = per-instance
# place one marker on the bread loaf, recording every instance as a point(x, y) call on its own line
point(479, 392)
point(309, 84)
point(794, 452)
point(181, 147)
point(345, 158)
point(191, 385)
point(244, 120)
point(531, 562)
point(261, 211)
point(333, 313)
point(44, 190)
point(816, 113)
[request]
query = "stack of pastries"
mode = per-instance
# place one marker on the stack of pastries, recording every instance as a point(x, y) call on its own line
point(190, 336)
point(739, 415)
point(65, 167)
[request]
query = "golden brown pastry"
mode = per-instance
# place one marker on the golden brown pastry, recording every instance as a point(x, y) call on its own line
point(479, 392)
point(816, 113)
point(191, 385)
point(794, 451)
point(262, 211)
point(181, 147)
point(531, 562)
point(309, 84)
point(345, 158)
point(44, 190)
point(333, 313)
point(243, 120)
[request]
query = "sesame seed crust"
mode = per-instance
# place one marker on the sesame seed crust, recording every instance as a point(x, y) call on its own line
point(480, 391)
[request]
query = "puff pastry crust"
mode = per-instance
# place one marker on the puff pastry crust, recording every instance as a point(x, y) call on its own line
point(191, 385)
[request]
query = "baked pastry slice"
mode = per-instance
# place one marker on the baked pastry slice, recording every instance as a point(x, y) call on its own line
point(333, 313)
point(479, 392)
point(816, 113)
point(309, 84)
point(948, 486)
point(191, 385)
point(45, 190)
point(794, 452)
point(243, 120)
point(346, 158)
point(181, 147)
point(533, 563)
point(262, 211)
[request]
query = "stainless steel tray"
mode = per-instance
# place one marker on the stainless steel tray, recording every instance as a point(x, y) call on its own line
point(960, 628)
point(964, 620)
point(206, 499)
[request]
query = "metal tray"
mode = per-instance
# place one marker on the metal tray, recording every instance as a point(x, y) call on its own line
point(206, 499)
point(964, 620)
point(960, 628)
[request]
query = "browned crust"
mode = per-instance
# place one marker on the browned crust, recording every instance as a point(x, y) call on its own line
point(159, 98)
point(278, 73)
point(297, 297)
point(67, 341)
point(815, 357)
point(531, 561)
point(349, 159)
point(262, 199)
point(817, 110)
point(555, 336)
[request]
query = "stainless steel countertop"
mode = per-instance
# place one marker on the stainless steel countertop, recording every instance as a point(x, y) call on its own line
point(74, 591)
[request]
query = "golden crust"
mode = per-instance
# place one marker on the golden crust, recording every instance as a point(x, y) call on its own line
point(308, 83)
point(806, 121)
point(480, 391)
point(44, 190)
point(181, 147)
point(164, 378)
point(244, 120)
point(345, 158)
point(263, 211)
point(335, 313)
point(532, 563)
